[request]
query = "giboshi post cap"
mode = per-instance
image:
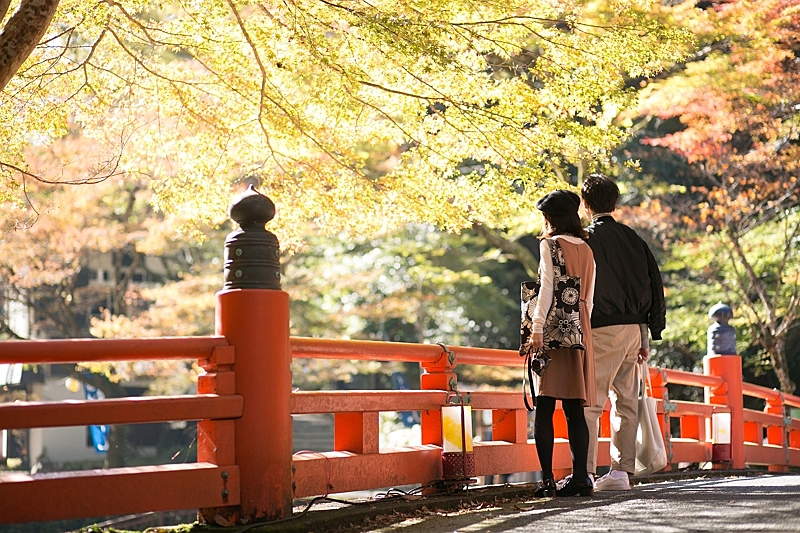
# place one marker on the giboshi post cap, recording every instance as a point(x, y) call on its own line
point(721, 312)
point(251, 209)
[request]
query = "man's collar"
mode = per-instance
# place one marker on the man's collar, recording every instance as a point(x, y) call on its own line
point(598, 216)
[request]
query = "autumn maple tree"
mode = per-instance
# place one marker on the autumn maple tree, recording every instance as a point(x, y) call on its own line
point(471, 104)
point(53, 269)
point(738, 109)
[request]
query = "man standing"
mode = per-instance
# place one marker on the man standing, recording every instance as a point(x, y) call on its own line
point(628, 300)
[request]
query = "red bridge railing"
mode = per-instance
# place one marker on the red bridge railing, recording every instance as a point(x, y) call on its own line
point(63, 495)
point(245, 468)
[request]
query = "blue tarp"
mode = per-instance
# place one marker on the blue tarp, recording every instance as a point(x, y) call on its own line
point(99, 433)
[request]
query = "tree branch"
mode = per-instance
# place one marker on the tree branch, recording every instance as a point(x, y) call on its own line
point(22, 33)
point(4, 5)
point(753, 279)
point(514, 249)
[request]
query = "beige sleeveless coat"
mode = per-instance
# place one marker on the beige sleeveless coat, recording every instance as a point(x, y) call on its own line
point(571, 372)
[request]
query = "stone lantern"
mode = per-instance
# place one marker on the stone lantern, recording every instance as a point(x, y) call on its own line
point(721, 335)
point(721, 341)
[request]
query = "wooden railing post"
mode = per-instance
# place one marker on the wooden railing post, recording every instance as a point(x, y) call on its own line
point(779, 435)
point(253, 315)
point(216, 443)
point(723, 362)
point(436, 376)
point(729, 368)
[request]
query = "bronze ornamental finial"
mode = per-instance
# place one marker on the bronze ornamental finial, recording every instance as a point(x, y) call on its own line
point(252, 254)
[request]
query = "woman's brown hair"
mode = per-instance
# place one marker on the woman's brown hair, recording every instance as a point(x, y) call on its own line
point(569, 224)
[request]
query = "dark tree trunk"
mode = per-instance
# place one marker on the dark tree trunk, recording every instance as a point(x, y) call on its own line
point(777, 356)
point(22, 33)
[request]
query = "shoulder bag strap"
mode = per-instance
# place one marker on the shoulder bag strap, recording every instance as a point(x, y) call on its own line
point(559, 268)
point(529, 405)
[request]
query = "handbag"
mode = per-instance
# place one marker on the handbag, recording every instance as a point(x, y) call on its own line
point(651, 454)
point(562, 327)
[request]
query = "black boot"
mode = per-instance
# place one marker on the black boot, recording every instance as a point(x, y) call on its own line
point(582, 486)
point(547, 489)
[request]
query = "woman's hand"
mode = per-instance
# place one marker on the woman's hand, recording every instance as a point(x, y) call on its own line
point(537, 341)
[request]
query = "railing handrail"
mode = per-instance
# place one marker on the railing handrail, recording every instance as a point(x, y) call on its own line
point(765, 393)
point(104, 350)
point(364, 350)
point(690, 379)
point(57, 351)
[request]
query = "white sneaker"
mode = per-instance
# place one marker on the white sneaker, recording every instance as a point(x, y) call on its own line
point(562, 482)
point(614, 480)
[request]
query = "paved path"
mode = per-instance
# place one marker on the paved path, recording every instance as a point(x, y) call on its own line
point(768, 503)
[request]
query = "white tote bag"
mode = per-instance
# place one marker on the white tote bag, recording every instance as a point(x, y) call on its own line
point(651, 454)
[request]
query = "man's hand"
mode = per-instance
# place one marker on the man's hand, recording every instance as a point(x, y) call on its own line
point(644, 353)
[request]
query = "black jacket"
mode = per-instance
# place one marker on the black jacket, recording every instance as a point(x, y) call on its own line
point(628, 287)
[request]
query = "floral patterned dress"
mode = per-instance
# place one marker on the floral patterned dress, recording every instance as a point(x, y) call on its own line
point(571, 372)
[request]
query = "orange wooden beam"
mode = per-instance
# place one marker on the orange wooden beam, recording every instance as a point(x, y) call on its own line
point(690, 427)
point(760, 417)
point(80, 350)
point(764, 454)
point(305, 347)
point(683, 407)
point(131, 410)
point(510, 425)
point(315, 402)
point(757, 391)
point(794, 440)
point(216, 442)
point(497, 400)
point(687, 450)
point(682, 377)
point(333, 472)
point(505, 458)
point(356, 432)
point(88, 493)
point(317, 474)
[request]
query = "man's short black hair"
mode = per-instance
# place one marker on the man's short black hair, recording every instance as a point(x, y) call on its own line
point(600, 193)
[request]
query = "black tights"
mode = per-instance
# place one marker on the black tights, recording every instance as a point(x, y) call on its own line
point(577, 431)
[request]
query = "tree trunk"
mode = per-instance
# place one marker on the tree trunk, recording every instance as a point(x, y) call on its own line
point(117, 446)
point(22, 33)
point(777, 356)
point(513, 249)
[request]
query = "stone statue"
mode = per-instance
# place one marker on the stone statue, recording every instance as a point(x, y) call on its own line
point(721, 335)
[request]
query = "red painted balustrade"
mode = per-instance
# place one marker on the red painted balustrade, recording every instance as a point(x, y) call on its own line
point(246, 470)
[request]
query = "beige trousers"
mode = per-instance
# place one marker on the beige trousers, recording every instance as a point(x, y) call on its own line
point(616, 352)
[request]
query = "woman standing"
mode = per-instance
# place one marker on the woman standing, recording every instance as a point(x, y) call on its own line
point(570, 376)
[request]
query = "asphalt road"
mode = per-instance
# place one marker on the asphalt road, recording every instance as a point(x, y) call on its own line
point(747, 504)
